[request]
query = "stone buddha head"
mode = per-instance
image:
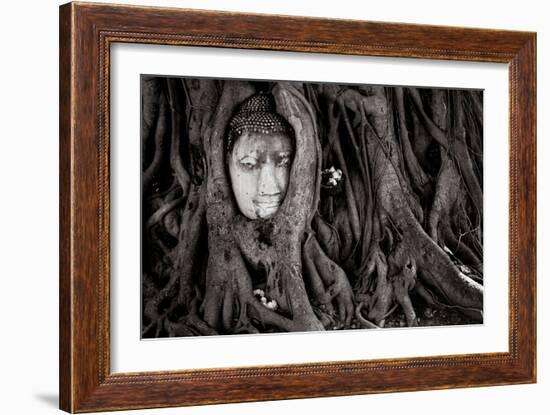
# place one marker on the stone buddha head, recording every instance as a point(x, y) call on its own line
point(260, 151)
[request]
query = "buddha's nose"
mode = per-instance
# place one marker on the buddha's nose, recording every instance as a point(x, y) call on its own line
point(267, 185)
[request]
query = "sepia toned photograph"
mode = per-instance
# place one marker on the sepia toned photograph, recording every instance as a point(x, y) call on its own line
point(284, 206)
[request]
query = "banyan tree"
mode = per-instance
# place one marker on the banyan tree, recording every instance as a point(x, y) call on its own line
point(288, 206)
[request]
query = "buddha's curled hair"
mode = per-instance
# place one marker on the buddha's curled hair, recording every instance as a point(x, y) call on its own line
point(257, 114)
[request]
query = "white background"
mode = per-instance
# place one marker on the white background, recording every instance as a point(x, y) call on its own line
point(129, 354)
point(28, 213)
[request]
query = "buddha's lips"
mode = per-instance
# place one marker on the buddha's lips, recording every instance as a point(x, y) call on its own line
point(268, 205)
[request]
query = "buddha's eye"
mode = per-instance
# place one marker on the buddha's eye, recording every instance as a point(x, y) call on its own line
point(248, 162)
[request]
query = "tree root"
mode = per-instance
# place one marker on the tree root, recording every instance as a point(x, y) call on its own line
point(351, 202)
point(328, 281)
point(159, 140)
point(380, 294)
point(363, 322)
point(373, 289)
point(328, 237)
point(419, 178)
point(402, 284)
point(176, 161)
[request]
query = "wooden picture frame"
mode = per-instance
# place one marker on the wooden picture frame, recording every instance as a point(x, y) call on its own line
point(86, 33)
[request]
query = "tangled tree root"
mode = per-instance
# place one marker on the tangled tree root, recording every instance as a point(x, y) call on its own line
point(397, 231)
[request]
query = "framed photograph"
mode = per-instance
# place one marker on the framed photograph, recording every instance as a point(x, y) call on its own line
point(258, 207)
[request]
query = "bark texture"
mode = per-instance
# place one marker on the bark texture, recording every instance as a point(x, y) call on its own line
point(381, 224)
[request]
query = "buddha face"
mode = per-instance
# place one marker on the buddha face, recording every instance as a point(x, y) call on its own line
point(259, 167)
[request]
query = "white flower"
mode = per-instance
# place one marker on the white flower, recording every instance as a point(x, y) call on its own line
point(263, 300)
point(272, 305)
point(259, 293)
point(332, 182)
